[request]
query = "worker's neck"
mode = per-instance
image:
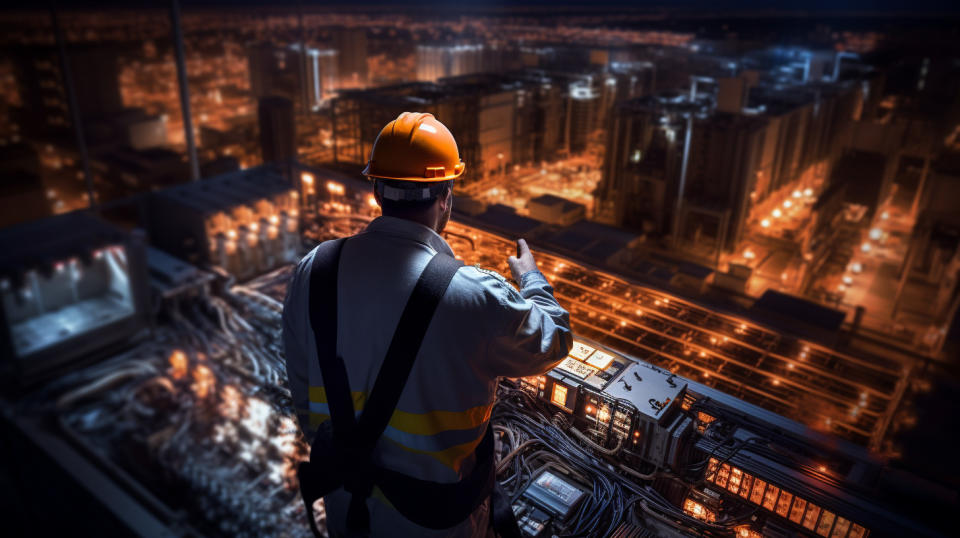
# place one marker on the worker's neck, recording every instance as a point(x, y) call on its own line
point(427, 218)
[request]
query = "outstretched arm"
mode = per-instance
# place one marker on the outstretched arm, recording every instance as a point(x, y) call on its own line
point(530, 331)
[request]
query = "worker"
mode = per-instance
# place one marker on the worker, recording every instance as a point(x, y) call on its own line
point(429, 470)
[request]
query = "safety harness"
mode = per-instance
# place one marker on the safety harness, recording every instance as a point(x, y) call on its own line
point(341, 453)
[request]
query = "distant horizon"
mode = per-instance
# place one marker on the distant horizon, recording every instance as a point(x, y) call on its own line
point(736, 8)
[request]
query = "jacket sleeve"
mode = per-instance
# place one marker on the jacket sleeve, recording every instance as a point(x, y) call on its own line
point(529, 332)
point(296, 338)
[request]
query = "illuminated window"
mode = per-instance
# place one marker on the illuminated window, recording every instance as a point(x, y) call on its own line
point(810, 518)
point(770, 497)
point(796, 513)
point(705, 418)
point(841, 528)
point(783, 505)
point(757, 496)
point(559, 395)
point(736, 475)
point(723, 475)
point(745, 486)
point(826, 523)
point(857, 532)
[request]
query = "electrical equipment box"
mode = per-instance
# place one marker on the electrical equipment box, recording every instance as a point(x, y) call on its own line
point(549, 499)
point(70, 285)
point(619, 400)
point(245, 222)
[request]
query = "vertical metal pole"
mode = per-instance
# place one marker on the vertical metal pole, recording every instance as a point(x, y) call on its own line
point(304, 69)
point(74, 109)
point(683, 180)
point(184, 90)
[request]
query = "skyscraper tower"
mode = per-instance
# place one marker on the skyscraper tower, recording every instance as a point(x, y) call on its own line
point(277, 130)
point(351, 46)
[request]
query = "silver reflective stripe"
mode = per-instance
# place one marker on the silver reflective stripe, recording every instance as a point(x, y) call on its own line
point(393, 193)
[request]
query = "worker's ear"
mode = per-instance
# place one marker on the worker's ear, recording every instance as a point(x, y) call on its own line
point(446, 201)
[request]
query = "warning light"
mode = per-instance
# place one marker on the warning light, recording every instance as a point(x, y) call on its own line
point(559, 396)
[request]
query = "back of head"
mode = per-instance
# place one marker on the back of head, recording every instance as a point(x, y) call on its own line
point(413, 163)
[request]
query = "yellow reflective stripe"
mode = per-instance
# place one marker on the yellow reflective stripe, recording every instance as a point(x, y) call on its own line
point(435, 422)
point(319, 395)
point(451, 457)
point(429, 423)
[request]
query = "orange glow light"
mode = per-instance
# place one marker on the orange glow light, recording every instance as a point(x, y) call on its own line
point(178, 364)
point(203, 381)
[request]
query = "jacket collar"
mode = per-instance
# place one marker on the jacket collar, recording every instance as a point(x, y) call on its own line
point(407, 229)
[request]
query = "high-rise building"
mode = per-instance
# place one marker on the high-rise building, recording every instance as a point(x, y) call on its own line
point(583, 107)
point(278, 71)
point(725, 152)
point(440, 61)
point(22, 191)
point(45, 108)
point(929, 283)
point(540, 119)
point(351, 47)
point(642, 165)
point(277, 129)
point(623, 81)
point(673, 169)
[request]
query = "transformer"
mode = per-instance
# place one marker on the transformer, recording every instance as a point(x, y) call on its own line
point(245, 222)
point(71, 287)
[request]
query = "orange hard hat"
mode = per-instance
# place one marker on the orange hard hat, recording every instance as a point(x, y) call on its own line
point(415, 147)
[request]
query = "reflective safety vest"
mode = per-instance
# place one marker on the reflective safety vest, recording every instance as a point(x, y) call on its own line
point(483, 328)
point(341, 452)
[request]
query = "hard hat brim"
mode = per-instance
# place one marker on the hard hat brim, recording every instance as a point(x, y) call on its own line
point(448, 177)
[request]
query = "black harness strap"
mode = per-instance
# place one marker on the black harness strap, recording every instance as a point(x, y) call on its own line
point(324, 271)
point(344, 456)
point(391, 380)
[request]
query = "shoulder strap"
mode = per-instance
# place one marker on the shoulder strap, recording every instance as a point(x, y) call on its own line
point(409, 334)
point(391, 379)
point(355, 442)
point(323, 318)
